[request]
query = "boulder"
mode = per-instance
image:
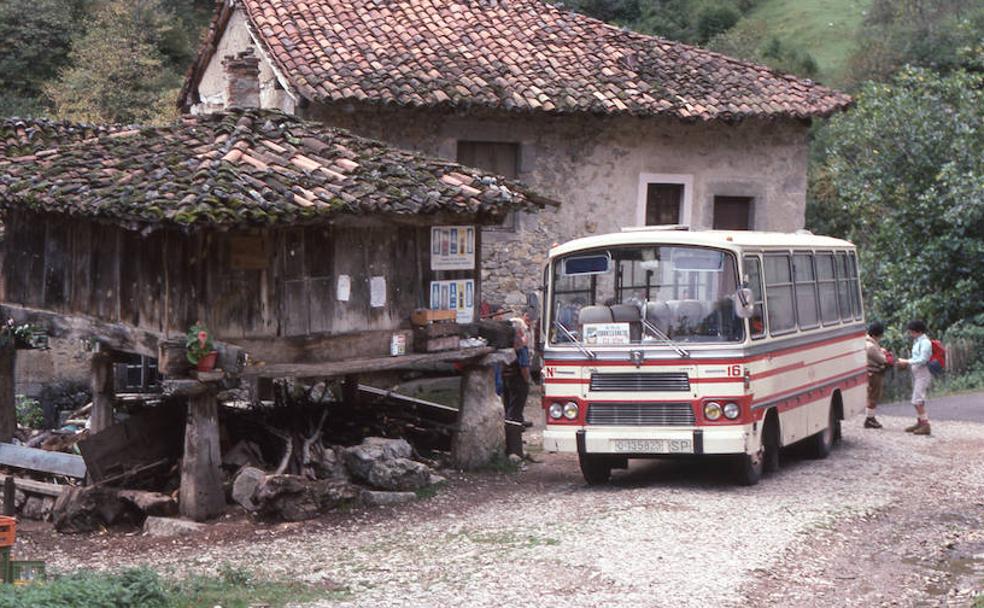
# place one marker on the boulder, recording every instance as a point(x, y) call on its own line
point(150, 503)
point(33, 508)
point(80, 510)
point(360, 458)
point(381, 499)
point(244, 453)
point(294, 498)
point(399, 474)
point(167, 526)
point(244, 487)
point(326, 463)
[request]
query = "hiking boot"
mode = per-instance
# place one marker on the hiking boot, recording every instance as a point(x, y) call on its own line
point(922, 430)
point(871, 423)
point(912, 429)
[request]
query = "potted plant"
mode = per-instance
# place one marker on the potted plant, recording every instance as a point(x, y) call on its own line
point(201, 352)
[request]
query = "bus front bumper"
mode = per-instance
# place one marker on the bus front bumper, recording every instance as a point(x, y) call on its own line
point(652, 441)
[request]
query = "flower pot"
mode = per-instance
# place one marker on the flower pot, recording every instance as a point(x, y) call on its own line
point(207, 363)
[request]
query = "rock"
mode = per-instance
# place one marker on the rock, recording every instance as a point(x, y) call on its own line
point(19, 499)
point(327, 464)
point(32, 508)
point(400, 474)
point(151, 503)
point(360, 458)
point(436, 480)
point(78, 510)
point(168, 526)
point(483, 419)
point(380, 499)
point(47, 507)
point(294, 498)
point(244, 487)
point(244, 453)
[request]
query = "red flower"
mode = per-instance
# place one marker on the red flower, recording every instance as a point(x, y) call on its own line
point(202, 338)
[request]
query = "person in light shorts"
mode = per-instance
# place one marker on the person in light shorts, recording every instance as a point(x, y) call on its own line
point(922, 378)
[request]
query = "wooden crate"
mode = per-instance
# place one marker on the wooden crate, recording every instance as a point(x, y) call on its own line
point(426, 316)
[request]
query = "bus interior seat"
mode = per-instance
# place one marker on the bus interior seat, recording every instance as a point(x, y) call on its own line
point(687, 314)
point(659, 315)
point(595, 314)
point(629, 313)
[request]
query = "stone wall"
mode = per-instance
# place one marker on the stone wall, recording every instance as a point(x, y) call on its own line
point(36, 370)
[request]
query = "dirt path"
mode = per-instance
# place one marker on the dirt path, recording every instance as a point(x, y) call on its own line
point(886, 518)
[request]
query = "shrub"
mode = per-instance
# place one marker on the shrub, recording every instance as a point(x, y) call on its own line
point(29, 412)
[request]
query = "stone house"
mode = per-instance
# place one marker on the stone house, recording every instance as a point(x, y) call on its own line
point(625, 129)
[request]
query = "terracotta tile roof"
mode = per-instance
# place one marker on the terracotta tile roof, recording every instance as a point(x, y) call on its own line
point(22, 136)
point(247, 168)
point(508, 54)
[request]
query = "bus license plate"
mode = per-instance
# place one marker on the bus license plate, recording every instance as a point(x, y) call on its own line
point(652, 446)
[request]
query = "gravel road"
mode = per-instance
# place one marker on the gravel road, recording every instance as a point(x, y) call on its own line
point(663, 534)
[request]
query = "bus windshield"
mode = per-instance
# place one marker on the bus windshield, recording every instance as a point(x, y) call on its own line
point(644, 294)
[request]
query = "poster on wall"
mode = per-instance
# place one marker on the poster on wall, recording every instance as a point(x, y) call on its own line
point(456, 295)
point(452, 247)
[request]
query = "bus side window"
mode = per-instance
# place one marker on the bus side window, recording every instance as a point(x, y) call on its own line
point(753, 276)
point(845, 290)
point(827, 283)
point(806, 291)
point(855, 285)
point(779, 296)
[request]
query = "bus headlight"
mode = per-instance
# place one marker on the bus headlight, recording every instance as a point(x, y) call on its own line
point(570, 410)
point(732, 411)
point(556, 410)
point(712, 410)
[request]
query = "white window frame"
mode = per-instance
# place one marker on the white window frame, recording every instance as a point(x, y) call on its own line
point(686, 204)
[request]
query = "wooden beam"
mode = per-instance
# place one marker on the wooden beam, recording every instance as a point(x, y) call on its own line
point(101, 382)
point(201, 493)
point(8, 378)
point(112, 336)
point(357, 366)
point(34, 487)
point(33, 459)
point(319, 347)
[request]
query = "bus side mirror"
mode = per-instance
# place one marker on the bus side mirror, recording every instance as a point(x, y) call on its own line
point(744, 305)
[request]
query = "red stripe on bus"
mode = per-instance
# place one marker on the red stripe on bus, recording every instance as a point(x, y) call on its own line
point(795, 392)
point(800, 365)
point(692, 381)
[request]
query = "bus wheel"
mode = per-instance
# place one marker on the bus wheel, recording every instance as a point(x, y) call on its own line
point(748, 468)
point(597, 469)
point(823, 442)
point(770, 444)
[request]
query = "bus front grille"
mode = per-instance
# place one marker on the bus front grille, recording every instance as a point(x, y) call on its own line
point(641, 414)
point(641, 382)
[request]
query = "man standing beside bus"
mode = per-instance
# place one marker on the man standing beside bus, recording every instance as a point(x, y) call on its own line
point(878, 362)
point(922, 352)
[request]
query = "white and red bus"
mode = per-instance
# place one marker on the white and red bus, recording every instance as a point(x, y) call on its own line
point(666, 342)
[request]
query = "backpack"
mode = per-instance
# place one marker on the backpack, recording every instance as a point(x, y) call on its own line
point(937, 362)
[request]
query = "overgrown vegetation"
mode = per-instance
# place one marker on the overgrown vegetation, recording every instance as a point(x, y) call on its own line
point(29, 412)
point(144, 588)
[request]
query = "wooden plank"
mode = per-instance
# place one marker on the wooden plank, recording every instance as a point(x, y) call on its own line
point(131, 253)
point(35, 487)
point(8, 402)
point(151, 275)
point(33, 459)
point(357, 366)
point(81, 266)
point(101, 383)
point(317, 348)
point(105, 276)
point(56, 265)
point(152, 435)
point(201, 495)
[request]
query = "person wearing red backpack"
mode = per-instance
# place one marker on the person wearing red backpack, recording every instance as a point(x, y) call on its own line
point(922, 378)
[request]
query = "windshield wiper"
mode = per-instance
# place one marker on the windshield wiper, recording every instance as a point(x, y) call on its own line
point(584, 351)
point(665, 338)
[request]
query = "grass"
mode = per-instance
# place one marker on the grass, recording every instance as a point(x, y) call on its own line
point(898, 385)
point(823, 28)
point(144, 588)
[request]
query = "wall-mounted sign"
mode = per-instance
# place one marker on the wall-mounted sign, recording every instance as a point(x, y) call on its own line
point(454, 295)
point(452, 247)
point(606, 333)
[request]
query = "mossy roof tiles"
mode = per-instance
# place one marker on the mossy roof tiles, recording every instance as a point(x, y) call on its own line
point(246, 168)
point(518, 55)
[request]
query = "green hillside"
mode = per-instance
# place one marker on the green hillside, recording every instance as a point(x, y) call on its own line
point(823, 28)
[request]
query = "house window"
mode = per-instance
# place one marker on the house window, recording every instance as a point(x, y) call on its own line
point(663, 203)
point(500, 158)
point(732, 213)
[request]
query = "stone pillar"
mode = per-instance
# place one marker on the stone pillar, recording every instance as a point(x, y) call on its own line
point(8, 379)
point(481, 421)
point(201, 494)
point(242, 74)
point(103, 392)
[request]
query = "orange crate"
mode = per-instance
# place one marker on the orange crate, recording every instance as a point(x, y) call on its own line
point(8, 531)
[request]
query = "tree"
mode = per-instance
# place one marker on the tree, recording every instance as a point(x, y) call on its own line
point(125, 67)
point(35, 38)
point(902, 175)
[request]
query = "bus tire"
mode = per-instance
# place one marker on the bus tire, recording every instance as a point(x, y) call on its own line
point(597, 469)
point(748, 468)
point(771, 443)
point(822, 443)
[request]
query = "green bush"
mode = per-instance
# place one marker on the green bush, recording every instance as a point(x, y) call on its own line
point(29, 412)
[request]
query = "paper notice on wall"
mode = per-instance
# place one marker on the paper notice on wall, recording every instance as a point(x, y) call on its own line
point(377, 292)
point(454, 295)
point(452, 247)
point(344, 288)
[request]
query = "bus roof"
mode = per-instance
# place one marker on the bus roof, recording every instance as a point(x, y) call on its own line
point(725, 239)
